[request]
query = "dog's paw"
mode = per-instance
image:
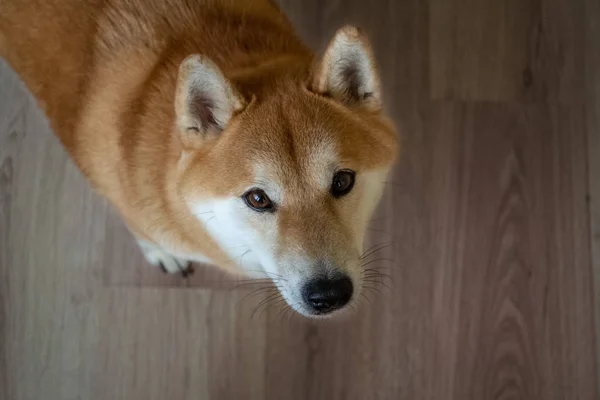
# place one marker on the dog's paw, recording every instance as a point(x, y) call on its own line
point(165, 261)
point(173, 265)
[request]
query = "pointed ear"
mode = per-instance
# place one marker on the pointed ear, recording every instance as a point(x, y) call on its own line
point(205, 100)
point(347, 71)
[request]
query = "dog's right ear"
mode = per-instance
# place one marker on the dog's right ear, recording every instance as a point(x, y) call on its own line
point(205, 101)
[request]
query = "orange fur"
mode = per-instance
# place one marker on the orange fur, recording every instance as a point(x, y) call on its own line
point(105, 71)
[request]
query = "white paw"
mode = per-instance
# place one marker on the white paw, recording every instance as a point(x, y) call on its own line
point(167, 262)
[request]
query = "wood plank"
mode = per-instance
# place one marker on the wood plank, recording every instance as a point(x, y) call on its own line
point(52, 257)
point(11, 128)
point(516, 50)
point(524, 269)
point(592, 42)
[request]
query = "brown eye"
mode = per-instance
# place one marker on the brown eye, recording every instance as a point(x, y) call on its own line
point(342, 184)
point(258, 200)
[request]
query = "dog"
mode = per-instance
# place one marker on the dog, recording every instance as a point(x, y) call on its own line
point(216, 133)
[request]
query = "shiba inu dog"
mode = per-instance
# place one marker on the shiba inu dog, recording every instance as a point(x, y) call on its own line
point(216, 133)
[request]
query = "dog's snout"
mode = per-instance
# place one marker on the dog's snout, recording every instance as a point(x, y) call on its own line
point(326, 295)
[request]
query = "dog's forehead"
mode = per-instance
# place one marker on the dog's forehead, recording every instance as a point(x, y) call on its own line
point(292, 144)
point(301, 164)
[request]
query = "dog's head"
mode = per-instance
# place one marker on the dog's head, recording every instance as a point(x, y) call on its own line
point(286, 182)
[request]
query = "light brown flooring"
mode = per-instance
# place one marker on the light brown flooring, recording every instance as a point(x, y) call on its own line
point(494, 212)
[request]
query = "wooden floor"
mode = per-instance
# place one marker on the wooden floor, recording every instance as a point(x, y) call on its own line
point(494, 213)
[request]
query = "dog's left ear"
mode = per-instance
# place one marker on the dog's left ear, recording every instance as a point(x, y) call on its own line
point(205, 100)
point(347, 71)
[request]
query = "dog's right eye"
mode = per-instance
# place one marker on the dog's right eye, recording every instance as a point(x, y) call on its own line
point(258, 200)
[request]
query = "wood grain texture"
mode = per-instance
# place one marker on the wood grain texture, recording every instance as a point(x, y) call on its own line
point(491, 293)
point(527, 50)
point(592, 74)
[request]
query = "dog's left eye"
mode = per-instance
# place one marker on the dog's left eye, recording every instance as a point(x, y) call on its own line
point(343, 182)
point(258, 200)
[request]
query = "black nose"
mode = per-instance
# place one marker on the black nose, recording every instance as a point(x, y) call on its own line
point(326, 295)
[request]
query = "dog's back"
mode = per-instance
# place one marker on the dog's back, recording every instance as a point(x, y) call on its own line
point(50, 44)
point(61, 47)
